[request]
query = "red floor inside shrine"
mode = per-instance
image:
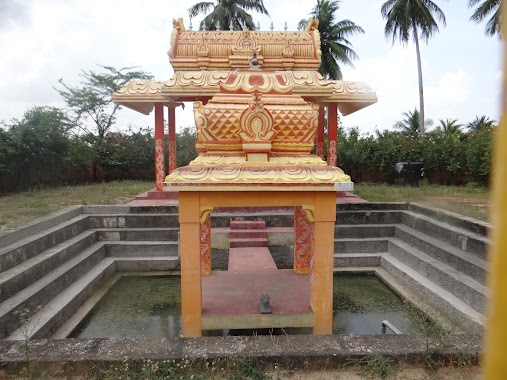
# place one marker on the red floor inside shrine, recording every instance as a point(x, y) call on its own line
point(231, 299)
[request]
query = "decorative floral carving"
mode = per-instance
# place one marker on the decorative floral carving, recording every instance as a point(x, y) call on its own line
point(205, 246)
point(303, 242)
point(159, 162)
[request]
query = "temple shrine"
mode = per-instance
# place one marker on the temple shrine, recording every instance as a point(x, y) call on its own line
point(259, 105)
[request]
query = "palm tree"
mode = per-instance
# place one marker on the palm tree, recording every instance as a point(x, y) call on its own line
point(449, 127)
point(480, 123)
point(494, 24)
point(334, 44)
point(411, 124)
point(416, 17)
point(227, 14)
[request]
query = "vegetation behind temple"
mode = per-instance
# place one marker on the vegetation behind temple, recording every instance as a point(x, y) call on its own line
point(40, 149)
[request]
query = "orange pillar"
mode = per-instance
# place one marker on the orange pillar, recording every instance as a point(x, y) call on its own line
point(171, 117)
point(191, 291)
point(496, 337)
point(303, 241)
point(159, 146)
point(332, 134)
point(319, 151)
point(321, 279)
point(205, 246)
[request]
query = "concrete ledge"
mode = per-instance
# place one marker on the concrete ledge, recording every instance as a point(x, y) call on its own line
point(79, 356)
point(465, 222)
point(372, 206)
point(39, 225)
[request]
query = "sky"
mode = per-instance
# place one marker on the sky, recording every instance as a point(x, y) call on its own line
point(42, 41)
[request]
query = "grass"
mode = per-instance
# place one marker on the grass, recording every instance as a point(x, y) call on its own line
point(20, 208)
point(470, 200)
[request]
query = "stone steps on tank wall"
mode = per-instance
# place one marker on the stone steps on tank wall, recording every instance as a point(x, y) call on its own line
point(31, 244)
point(25, 302)
point(138, 234)
point(439, 298)
point(29, 271)
point(59, 309)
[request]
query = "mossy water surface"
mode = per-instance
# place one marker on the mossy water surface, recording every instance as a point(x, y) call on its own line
point(150, 306)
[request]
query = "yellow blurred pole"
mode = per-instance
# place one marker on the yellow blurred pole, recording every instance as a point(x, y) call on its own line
point(496, 336)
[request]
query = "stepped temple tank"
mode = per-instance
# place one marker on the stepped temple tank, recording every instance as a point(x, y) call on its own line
point(259, 105)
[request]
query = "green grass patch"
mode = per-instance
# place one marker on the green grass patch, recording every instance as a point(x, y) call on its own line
point(20, 208)
point(470, 200)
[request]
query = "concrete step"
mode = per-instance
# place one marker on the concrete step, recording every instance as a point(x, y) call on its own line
point(369, 217)
point(21, 306)
point(462, 261)
point(142, 248)
point(465, 288)
point(272, 218)
point(345, 260)
point(473, 225)
point(51, 316)
point(249, 233)
point(29, 245)
point(372, 206)
point(247, 224)
point(439, 298)
point(363, 231)
point(248, 242)
point(133, 220)
point(42, 224)
point(367, 245)
point(138, 234)
point(19, 277)
point(250, 258)
point(457, 237)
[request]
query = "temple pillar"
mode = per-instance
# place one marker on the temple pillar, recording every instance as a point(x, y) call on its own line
point(319, 151)
point(303, 241)
point(159, 146)
point(321, 278)
point(205, 239)
point(332, 134)
point(191, 291)
point(171, 117)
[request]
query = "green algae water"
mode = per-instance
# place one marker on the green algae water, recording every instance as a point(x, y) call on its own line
point(150, 306)
point(361, 302)
point(136, 306)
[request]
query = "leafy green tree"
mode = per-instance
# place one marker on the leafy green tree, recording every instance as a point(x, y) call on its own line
point(334, 44)
point(449, 127)
point(416, 18)
point(480, 123)
point(185, 146)
point(8, 153)
point(222, 14)
point(91, 106)
point(487, 7)
point(410, 125)
point(42, 144)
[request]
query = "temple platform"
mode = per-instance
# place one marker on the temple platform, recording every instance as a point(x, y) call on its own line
point(160, 198)
point(230, 299)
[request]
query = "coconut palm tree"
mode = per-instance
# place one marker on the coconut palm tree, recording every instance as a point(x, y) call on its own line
point(487, 7)
point(416, 18)
point(411, 124)
point(334, 43)
point(480, 123)
point(227, 14)
point(449, 127)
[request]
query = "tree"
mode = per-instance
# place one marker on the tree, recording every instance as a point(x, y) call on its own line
point(494, 24)
point(91, 105)
point(449, 127)
point(411, 124)
point(226, 13)
point(480, 123)
point(335, 46)
point(412, 17)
